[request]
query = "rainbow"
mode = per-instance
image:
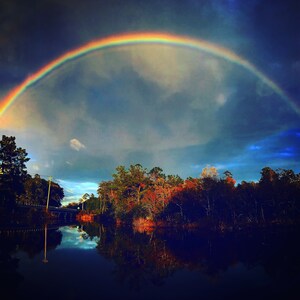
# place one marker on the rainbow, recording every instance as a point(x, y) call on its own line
point(141, 38)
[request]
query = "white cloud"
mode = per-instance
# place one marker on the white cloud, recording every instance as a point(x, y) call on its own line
point(76, 145)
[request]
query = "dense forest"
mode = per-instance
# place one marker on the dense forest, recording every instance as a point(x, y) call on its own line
point(136, 196)
point(16, 185)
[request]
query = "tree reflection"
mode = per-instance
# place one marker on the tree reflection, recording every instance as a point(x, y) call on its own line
point(143, 258)
point(140, 258)
point(29, 240)
point(9, 276)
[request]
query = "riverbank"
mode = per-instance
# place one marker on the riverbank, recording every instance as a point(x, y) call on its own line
point(143, 225)
point(18, 216)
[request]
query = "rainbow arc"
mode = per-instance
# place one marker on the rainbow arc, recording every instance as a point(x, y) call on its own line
point(142, 38)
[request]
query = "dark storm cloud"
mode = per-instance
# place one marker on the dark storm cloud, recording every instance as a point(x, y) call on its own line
point(30, 32)
point(33, 32)
point(250, 115)
point(276, 26)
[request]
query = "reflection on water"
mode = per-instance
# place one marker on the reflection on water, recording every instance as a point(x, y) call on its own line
point(248, 261)
point(111, 263)
point(77, 238)
point(31, 241)
point(45, 260)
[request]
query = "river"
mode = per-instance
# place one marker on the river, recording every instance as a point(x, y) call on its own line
point(93, 261)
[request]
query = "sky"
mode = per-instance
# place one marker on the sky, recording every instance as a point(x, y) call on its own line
point(156, 105)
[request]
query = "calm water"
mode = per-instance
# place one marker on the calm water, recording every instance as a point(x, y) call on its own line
point(93, 261)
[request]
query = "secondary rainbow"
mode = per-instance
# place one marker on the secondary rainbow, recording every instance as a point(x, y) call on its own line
point(141, 38)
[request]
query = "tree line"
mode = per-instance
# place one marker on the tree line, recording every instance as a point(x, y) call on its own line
point(16, 185)
point(137, 196)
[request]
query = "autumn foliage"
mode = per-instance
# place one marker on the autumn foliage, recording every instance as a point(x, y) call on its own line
point(151, 199)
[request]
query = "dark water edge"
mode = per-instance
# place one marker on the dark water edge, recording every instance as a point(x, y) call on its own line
point(96, 261)
point(255, 263)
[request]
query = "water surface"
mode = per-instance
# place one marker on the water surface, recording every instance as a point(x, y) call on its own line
point(84, 261)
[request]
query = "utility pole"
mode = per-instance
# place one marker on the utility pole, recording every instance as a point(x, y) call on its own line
point(50, 178)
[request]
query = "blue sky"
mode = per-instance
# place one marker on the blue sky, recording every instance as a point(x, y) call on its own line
point(155, 105)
